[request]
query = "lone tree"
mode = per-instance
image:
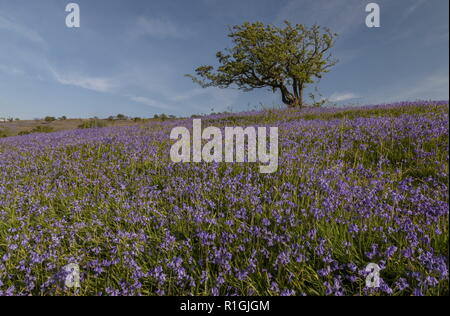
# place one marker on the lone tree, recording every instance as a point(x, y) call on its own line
point(265, 56)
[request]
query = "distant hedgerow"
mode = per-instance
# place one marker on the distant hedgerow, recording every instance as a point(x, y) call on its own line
point(37, 129)
point(92, 124)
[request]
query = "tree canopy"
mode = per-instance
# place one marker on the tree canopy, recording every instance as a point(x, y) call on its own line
point(284, 59)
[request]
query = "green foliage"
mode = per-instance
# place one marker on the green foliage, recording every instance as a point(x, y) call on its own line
point(42, 129)
point(37, 129)
point(4, 133)
point(121, 117)
point(95, 123)
point(265, 56)
point(163, 117)
point(49, 119)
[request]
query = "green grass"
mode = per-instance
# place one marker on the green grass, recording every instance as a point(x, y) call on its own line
point(273, 115)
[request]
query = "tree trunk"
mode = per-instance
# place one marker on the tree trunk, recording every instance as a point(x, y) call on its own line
point(294, 100)
point(295, 88)
point(300, 96)
point(287, 97)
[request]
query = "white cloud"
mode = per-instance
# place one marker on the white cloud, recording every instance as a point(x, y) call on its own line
point(21, 30)
point(162, 29)
point(433, 86)
point(150, 102)
point(116, 85)
point(188, 95)
point(416, 4)
point(340, 16)
point(97, 84)
point(340, 97)
point(11, 70)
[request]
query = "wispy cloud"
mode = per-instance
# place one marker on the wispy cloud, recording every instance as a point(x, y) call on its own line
point(435, 85)
point(415, 5)
point(11, 70)
point(21, 30)
point(114, 85)
point(340, 97)
point(161, 28)
point(150, 102)
point(97, 84)
point(340, 16)
point(188, 95)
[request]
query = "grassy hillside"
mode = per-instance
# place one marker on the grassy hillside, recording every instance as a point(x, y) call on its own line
point(15, 128)
point(354, 186)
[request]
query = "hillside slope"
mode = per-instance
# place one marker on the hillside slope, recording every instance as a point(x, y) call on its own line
point(353, 187)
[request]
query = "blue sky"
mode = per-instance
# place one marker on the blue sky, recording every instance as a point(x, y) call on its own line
point(131, 56)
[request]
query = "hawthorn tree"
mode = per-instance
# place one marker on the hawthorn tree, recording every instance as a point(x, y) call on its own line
point(265, 56)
